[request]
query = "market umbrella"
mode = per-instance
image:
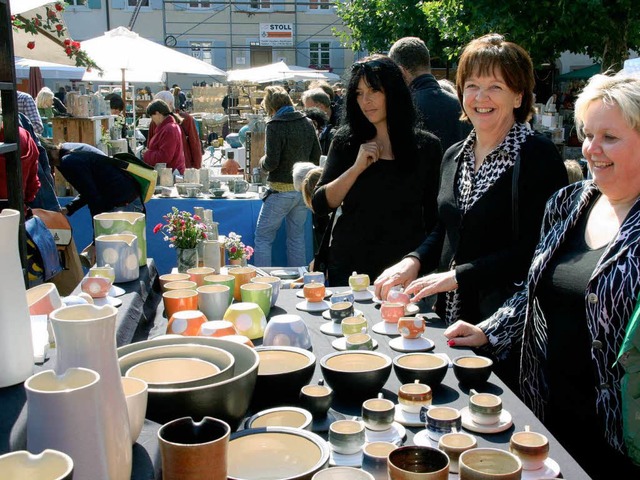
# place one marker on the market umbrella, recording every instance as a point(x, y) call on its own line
point(48, 69)
point(277, 72)
point(581, 73)
point(122, 50)
point(35, 81)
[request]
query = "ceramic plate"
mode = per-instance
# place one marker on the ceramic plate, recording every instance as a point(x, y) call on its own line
point(549, 469)
point(503, 424)
point(285, 273)
point(327, 315)
point(330, 328)
point(422, 439)
point(342, 460)
point(395, 434)
point(327, 293)
point(420, 344)
point(200, 195)
point(386, 328)
point(341, 343)
point(362, 296)
point(116, 291)
point(114, 302)
point(245, 195)
point(407, 419)
point(312, 306)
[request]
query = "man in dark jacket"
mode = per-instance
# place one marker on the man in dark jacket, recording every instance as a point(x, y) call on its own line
point(438, 110)
point(318, 98)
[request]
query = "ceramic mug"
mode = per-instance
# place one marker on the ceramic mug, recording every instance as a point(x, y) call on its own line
point(411, 327)
point(343, 296)
point(484, 408)
point(378, 413)
point(198, 274)
point(418, 463)
point(178, 300)
point(96, 287)
point(374, 458)
point(241, 275)
point(454, 444)
point(359, 341)
point(359, 282)
point(275, 283)
point(172, 277)
point(440, 420)
point(413, 396)
point(259, 293)
point(346, 436)
point(314, 292)
point(391, 311)
point(341, 310)
point(228, 280)
point(398, 296)
point(532, 448)
point(213, 300)
point(353, 325)
point(316, 399)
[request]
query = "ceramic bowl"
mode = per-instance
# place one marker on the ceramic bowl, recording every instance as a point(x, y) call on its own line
point(217, 192)
point(356, 375)
point(282, 373)
point(184, 188)
point(177, 372)
point(342, 473)
point(47, 465)
point(43, 299)
point(172, 277)
point(488, 464)
point(472, 370)
point(186, 322)
point(287, 331)
point(293, 417)
point(217, 328)
point(227, 400)
point(430, 369)
point(248, 319)
point(136, 393)
point(276, 452)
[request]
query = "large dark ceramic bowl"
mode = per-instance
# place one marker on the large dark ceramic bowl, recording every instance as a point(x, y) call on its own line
point(430, 369)
point(283, 371)
point(276, 452)
point(356, 375)
point(472, 370)
point(227, 400)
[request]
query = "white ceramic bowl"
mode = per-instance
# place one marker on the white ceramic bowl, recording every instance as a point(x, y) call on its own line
point(342, 473)
point(293, 417)
point(287, 331)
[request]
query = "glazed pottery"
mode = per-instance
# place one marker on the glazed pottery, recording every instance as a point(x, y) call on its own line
point(471, 370)
point(85, 337)
point(346, 436)
point(430, 369)
point(186, 322)
point(172, 277)
point(316, 399)
point(391, 312)
point(259, 293)
point(342, 296)
point(179, 300)
point(66, 413)
point(136, 393)
point(16, 346)
point(352, 325)
point(340, 310)
point(453, 444)
point(413, 396)
point(121, 252)
point(197, 274)
point(241, 275)
point(359, 341)
point(228, 280)
point(180, 285)
point(175, 372)
point(211, 255)
point(441, 420)
point(342, 473)
point(248, 319)
point(275, 283)
point(411, 327)
point(96, 287)
point(187, 259)
point(359, 282)
point(276, 452)
point(378, 413)
point(532, 448)
point(47, 465)
point(194, 450)
point(113, 223)
point(489, 464)
point(213, 300)
point(418, 463)
point(314, 292)
point(105, 271)
point(281, 417)
point(484, 408)
point(287, 331)
point(309, 277)
point(43, 299)
point(374, 458)
point(217, 328)
point(356, 376)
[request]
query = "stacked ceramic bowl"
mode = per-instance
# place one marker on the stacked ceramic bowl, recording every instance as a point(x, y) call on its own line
point(222, 392)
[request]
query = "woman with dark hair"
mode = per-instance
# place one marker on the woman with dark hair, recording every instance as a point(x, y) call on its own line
point(166, 144)
point(381, 171)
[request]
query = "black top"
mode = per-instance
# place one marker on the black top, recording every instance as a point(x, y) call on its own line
point(386, 213)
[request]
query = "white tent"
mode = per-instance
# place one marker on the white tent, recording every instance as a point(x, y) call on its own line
point(278, 72)
point(48, 70)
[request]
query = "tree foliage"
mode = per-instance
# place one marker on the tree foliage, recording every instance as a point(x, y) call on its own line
point(602, 29)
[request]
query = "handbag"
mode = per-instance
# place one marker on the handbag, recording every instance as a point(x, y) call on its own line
point(42, 253)
point(144, 174)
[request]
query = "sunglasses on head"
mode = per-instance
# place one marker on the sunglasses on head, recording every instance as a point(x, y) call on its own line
point(367, 65)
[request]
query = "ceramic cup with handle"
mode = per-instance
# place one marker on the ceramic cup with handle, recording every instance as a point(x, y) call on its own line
point(413, 396)
point(316, 399)
point(484, 408)
point(411, 327)
point(359, 282)
point(314, 292)
point(353, 325)
point(440, 420)
point(341, 310)
point(531, 447)
point(343, 296)
point(359, 341)
point(454, 444)
point(378, 413)
point(391, 311)
point(346, 436)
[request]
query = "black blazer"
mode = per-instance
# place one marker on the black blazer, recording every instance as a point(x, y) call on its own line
point(481, 245)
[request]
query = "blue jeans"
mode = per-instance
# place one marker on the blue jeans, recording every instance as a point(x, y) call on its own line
point(276, 208)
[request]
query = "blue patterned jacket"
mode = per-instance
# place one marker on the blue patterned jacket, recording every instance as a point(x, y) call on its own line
point(609, 300)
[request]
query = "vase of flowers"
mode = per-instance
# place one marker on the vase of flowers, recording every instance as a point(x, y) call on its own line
point(237, 252)
point(184, 232)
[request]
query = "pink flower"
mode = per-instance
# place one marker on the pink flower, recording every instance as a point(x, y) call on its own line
point(196, 218)
point(157, 228)
point(233, 250)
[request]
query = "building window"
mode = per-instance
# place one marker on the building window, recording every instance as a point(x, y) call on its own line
point(319, 5)
point(199, 4)
point(319, 54)
point(260, 4)
point(202, 51)
point(77, 3)
point(133, 3)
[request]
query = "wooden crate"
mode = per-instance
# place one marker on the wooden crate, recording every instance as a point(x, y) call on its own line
point(80, 130)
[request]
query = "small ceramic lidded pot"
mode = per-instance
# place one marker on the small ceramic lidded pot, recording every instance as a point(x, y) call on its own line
point(341, 310)
point(194, 450)
point(359, 282)
point(353, 325)
point(314, 292)
point(411, 327)
point(532, 448)
point(391, 311)
point(346, 436)
point(440, 420)
point(378, 413)
point(454, 444)
point(316, 399)
point(359, 341)
point(484, 408)
point(413, 396)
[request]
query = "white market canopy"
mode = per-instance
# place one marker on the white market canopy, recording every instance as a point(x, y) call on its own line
point(278, 72)
point(48, 69)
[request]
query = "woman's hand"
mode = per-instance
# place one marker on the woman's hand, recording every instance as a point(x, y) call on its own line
point(463, 334)
point(402, 273)
point(432, 284)
point(367, 155)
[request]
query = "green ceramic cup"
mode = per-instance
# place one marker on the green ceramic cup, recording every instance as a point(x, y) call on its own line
point(228, 280)
point(259, 293)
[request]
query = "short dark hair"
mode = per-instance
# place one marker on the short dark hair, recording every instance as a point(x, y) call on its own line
point(158, 106)
point(317, 116)
point(116, 102)
point(491, 53)
point(411, 53)
point(324, 85)
point(317, 95)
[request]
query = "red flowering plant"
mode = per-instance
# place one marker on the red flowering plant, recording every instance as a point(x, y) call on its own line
point(235, 248)
point(182, 229)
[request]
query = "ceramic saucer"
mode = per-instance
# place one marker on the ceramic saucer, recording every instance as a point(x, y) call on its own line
point(386, 328)
point(114, 302)
point(306, 306)
point(411, 309)
point(503, 424)
point(331, 328)
point(422, 439)
point(116, 291)
point(322, 424)
point(341, 343)
point(394, 434)
point(420, 344)
point(407, 419)
point(362, 296)
point(285, 273)
point(342, 460)
point(327, 314)
point(327, 293)
point(550, 468)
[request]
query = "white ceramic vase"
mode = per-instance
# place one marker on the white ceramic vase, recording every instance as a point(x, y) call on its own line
point(16, 346)
point(85, 337)
point(65, 413)
point(211, 252)
point(121, 252)
point(134, 223)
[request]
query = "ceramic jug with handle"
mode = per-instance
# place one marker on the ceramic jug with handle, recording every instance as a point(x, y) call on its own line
point(121, 252)
point(134, 223)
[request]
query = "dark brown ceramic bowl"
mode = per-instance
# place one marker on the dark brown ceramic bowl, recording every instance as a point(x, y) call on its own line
point(472, 370)
point(430, 369)
point(356, 375)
